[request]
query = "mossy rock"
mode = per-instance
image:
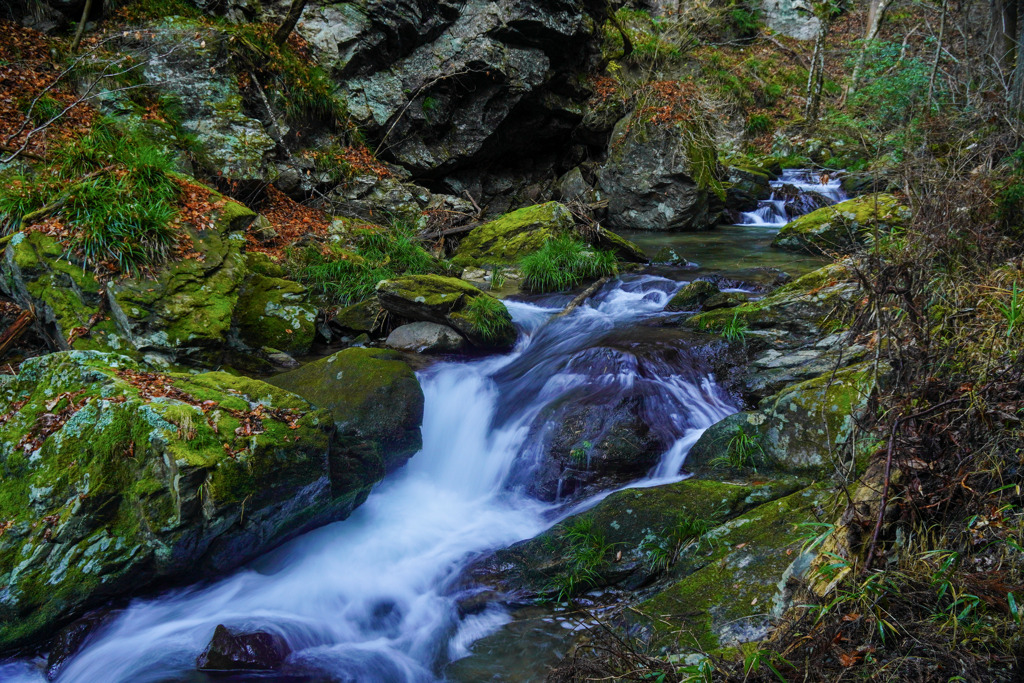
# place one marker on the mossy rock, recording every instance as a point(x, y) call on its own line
point(634, 522)
point(375, 400)
point(735, 586)
point(114, 478)
point(692, 296)
point(185, 310)
point(365, 317)
point(505, 241)
point(843, 226)
point(805, 428)
point(181, 315)
point(276, 313)
point(804, 308)
point(476, 315)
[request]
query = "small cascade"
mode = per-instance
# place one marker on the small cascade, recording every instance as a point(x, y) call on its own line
point(367, 599)
point(796, 192)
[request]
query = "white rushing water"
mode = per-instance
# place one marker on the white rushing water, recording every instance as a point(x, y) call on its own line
point(783, 206)
point(365, 599)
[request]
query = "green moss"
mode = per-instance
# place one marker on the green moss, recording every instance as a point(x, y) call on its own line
point(842, 226)
point(508, 239)
point(273, 312)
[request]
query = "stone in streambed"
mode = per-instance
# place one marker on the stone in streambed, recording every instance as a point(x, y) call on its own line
point(692, 296)
point(116, 478)
point(844, 226)
point(477, 316)
point(251, 651)
point(375, 400)
point(426, 337)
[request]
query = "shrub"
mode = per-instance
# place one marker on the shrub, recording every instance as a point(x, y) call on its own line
point(564, 262)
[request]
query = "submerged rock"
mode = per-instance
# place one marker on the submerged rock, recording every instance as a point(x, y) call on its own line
point(376, 402)
point(477, 316)
point(843, 226)
point(115, 478)
point(426, 337)
point(250, 651)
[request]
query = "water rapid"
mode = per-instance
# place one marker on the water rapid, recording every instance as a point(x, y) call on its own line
point(368, 599)
point(796, 192)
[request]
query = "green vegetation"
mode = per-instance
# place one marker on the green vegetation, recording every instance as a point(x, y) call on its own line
point(301, 88)
point(488, 316)
point(662, 551)
point(114, 190)
point(587, 553)
point(345, 277)
point(742, 452)
point(564, 262)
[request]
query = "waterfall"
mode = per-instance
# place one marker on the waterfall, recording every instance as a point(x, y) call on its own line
point(366, 599)
point(796, 192)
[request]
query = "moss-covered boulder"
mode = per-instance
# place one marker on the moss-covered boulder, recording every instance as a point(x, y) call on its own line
point(508, 239)
point(365, 317)
point(736, 583)
point(276, 313)
point(692, 296)
point(375, 400)
point(479, 317)
point(181, 314)
point(807, 427)
point(642, 533)
point(114, 478)
point(806, 308)
point(746, 185)
point(843, 226)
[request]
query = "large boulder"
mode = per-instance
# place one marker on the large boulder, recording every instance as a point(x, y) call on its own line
point(506, 240)
point(276, 313)
point(643, 533)
point(250, 651)
point(477, 316)
point(115, 478)
point(452, 84)
point(793, 18)
point(805, 428)
point(660, 178)
point(843, 226)
point(375, 400)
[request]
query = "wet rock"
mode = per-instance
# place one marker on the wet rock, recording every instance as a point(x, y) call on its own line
point(426, 337)
point(140, 477)
point(477, 316)
point(804, 428)
point(70, 639)
point(655, 179)
point(365, 317)
point(692, 296)
point(844, 226)
point(249, 651)
point(724, 300)
point(376, 403)
point(746, 186)
point(635, 527)
point(573, 188)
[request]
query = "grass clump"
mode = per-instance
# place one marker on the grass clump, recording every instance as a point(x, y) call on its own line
point(563, 263)
point(489, 316)
point(587, 553)
point(112, 191)
point(348, 277)
point(743, 451)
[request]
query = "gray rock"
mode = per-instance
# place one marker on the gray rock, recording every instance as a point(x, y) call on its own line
point(792, 18)
point(426, 337)
point(651, 183)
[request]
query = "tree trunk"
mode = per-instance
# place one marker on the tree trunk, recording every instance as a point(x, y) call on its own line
point(1017, 81)
point(81, 25)
point(815, 77)
point(288, 25)
point(938, 55)
point(875, 14)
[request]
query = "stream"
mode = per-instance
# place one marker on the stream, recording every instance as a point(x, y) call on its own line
point(371, 598)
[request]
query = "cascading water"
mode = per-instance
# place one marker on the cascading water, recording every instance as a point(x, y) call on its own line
point(796, 192)
point(366, 599)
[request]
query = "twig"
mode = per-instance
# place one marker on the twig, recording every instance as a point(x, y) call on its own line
point(581, 297)
point(15, 331)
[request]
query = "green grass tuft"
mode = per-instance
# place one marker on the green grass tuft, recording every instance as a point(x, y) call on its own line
point(489, 316)
point(565, 262)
